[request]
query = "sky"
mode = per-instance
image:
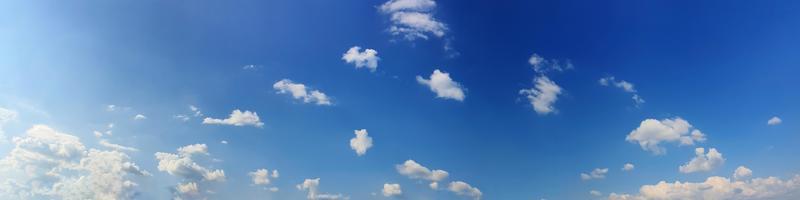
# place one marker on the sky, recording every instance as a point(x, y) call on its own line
point(399, 99)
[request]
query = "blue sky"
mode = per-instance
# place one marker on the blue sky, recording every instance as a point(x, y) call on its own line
point(514, 99)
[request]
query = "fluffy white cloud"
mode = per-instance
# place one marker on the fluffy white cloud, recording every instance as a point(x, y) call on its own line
point(703, 161)
point(183, 166)
point(47, 164)
point(391, 190)
point(624, 85)
point(464, 189)
point(651, 133)
point(774, 121)
point(139, 117)
point(742, 173)
point(367, 58)
point(543, 95)
point(628, 167)
point(188, 189)
point(237, 118)
point(414, 170)
point(300, 91)
point(262, 176)
point(597, 173)
point(312, 187)
point(6, 116)
point(413, 19)
point(444, 87)
point(361, 142)
point(716, 187)
point(117, 147)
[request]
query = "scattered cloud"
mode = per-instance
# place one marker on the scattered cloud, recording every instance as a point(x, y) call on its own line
point(595, 193)
point(541, 65)
point(262, 176)
point(624, 85)
point(703, 161)
point(774, 121)
point(651, 133)
point(251, 67)
point(628, 167)
point(543, 95)
point(367, 58)
point(183, 165)
point(117, 147)
point(444, 87)
point(464, 189)
point(597, 173)
point(111, 108)
point(237, 118)
point(139, 117)
point(300, 91)
point(224, 142)
point(312, 187)
point(414, 170)
point(361, 142)
point(413, 19)
point(742, 173)
point(390, 190)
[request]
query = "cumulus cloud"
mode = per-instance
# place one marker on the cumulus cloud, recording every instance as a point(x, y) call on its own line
point(597, 173)
point(703, 161)
point(742, 173)
point(413, 19)
point(774, 121)
point(414, 170)
point(716, 187)
point(312, 187)
point(628, 167)
point(390, 190)
point(182, 165)
point(139, 117)
point(444, 87)
point(47, 164)
point(237, 118)
point(361, 142)
point(624, 85)
point(651, 133)
point(6, 116)
point(543, 95)
point(262, 176)
point(117, 147)
point(595, 193)
point(367, 58)
point(464, 189)
point(300, 91)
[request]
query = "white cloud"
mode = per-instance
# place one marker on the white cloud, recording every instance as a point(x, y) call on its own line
point(543, 95)
point(237, 118)
point(464, 189)
point(742, 173)
point(300, 91)
point(542, 65)
point(624, 85)
point(188, 189)
point(367, 58)
point(117, 147)
point(716, 187)
point(651, 133)
point(413, 19)
point(361, 142)
point(595, 193)
point(6, 116)
point(139, 117)
point(261, 176)
point(628, 167)
point(182, 117)
point(391, 190)
point(182, 165)
point(312, 187)
point(434, 185)
point(224, 142)
point(111, 108)
point(703, 161)
point(47, 164)
point(597, 173)
point(774, 121)
point(414, 170)
point(444, 87)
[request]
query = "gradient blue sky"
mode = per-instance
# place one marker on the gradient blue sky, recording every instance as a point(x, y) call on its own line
point(726, 67)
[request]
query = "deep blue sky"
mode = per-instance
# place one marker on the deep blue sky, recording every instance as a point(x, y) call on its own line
point(724, 66)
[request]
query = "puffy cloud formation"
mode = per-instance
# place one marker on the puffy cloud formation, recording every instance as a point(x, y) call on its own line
point(413, 19)
point(543, 95)
point(262, 176)
point(716, 187)
point(703, 161)
point(237, 118)
point(312, 186)
point(391, 190)
point(464, 189)
point(361, 142)
point(414, 170)
point(183, 166)
point(47, 164)
point(444, 87)
point(651, 133)
point(597, 173)
point(542, 65)
point(628, 167)
point(139, 117)
point(117, 147)
point(300, 91)
point(624, 85)
point(367, 58)
point(774, 121)
point(742, 173)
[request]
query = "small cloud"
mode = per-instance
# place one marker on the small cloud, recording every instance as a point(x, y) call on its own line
point(413, 19)
point(703, 161)
point(237, 118)
point(651, 133)
point(774, 121)
point(250, 67)
point(111, 108)
point(390, 190)
point(628, 167)
point(224, 142)
point(300, 91)
point(543, 95)
point(139, 117)
point(595, 193)
point(367, 58)
point(464, 189)
point(624, 85)
point(597, 173)
point(117, 147)
point(444, 87)
point(742, 173)
point(361, 142)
